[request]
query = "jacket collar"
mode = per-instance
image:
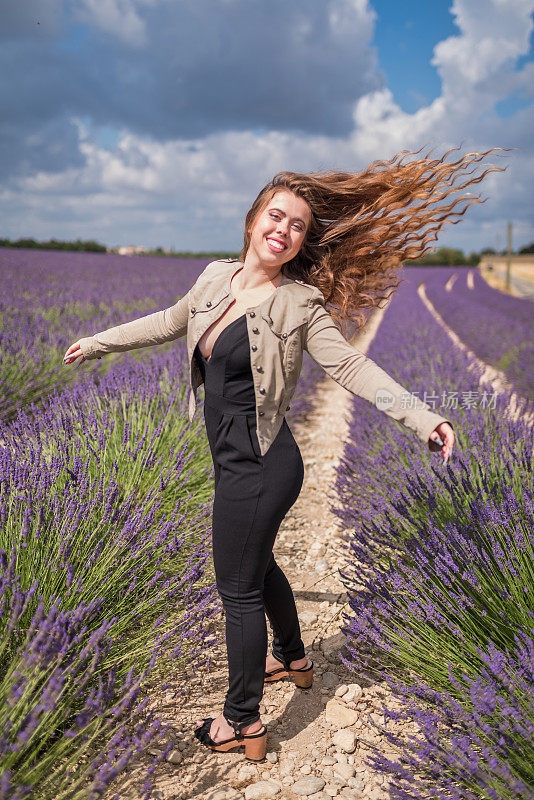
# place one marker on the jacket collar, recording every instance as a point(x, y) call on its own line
point(288, 310)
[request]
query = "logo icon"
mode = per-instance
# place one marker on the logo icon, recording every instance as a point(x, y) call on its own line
point(384, 399)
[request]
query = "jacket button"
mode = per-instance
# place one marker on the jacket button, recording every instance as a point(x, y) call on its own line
point(259, 368)
point(254, 347)
point(284, 336)
point(255, 330)
point(287, 409)
point(193, 310)
point(260, 413)
point(252, 313)
point(262, 390)
point(208, 304)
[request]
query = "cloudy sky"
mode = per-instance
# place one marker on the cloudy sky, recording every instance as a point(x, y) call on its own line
point(157, 121)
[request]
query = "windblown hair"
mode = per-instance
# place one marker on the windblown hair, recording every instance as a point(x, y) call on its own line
point(365, 225)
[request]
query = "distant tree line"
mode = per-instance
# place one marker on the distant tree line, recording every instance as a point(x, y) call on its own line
point(529, 248)
point(444, 256)
point(56, 244)
point(213, 254)
point(451, 257)
point(447, 257)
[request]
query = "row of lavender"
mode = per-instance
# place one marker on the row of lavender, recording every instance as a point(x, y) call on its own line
point(440, 573)
point(105, 500)
point(497, 327)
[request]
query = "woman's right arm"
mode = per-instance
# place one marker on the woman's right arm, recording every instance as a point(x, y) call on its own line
point(353, 370)
point(161, 326)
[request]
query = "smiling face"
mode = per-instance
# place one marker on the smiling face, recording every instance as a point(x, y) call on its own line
point(280, 228)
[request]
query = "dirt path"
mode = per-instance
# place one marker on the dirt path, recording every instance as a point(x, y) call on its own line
point(319, 739)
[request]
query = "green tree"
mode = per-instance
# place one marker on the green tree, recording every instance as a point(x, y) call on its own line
point(444, 257)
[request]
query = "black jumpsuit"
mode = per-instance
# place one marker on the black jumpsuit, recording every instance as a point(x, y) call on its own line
point(252, 495)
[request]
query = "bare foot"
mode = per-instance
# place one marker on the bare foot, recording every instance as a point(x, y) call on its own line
point(272, 663)
point(220, 730)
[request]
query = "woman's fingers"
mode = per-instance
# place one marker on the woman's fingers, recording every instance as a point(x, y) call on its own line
point(72, 354)
point(444, 432)
point(447, 436)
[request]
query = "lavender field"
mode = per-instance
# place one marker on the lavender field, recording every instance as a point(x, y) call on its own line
point(105, 502)
point(440, 559)
point(497, 327)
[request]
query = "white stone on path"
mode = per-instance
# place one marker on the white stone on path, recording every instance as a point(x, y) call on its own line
point(344, 771)
point(350, 794)
point(354, 692)
point(338, 714)
point(175, 757)
point(262, 790)
point(218, 794)
point(345, 740)
point(246, 771)
point(331, 790)
point(308, 785)
point(328, 761)
point(287, 767)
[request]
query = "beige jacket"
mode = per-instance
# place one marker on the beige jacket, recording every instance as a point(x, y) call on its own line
point(290, 320)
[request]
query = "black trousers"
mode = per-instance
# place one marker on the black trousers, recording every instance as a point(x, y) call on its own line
point(252, 495)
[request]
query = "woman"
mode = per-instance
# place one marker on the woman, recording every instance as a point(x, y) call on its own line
point(310, 239)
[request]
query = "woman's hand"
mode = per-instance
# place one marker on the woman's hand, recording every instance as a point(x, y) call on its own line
point(446, 434)
point(72, 354)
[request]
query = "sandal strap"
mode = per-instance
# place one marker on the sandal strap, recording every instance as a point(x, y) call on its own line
point(306, 668)
point(286, 662)
point(262, 731)
point(202, 733)
point(275, 671)
point(236, 726)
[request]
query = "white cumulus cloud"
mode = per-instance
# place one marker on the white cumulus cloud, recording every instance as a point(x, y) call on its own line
point(193, 191)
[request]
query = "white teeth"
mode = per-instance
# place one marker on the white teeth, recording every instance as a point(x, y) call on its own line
point(276, 244)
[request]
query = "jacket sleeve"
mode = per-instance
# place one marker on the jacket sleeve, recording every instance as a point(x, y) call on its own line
point(161, 326)
point(361, 376)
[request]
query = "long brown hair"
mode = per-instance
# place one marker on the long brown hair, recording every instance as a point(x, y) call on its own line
point(365, 225)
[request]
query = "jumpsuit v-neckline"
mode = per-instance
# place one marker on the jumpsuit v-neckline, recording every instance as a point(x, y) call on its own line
point(253, 493)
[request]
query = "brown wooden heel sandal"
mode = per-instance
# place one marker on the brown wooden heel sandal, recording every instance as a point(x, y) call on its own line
point(255, 743)
point(302, 677)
